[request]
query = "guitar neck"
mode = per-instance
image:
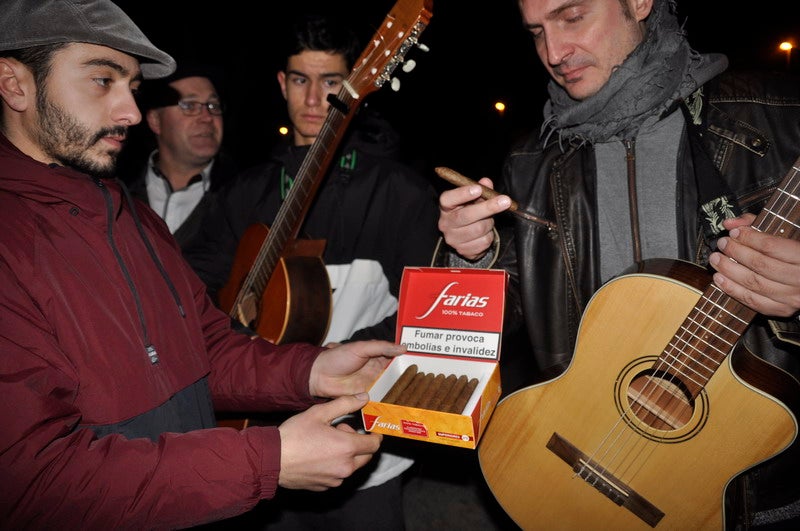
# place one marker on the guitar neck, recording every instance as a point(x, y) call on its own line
point(290, 216)
point(715, 324)
point(399, 31)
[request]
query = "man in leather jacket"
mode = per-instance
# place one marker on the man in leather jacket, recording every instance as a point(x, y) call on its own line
point(641, 127)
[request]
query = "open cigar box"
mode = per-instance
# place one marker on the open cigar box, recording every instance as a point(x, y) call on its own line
point(444, 389)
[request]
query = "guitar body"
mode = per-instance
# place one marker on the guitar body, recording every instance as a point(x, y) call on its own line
point(639, 474)
point(296, 302)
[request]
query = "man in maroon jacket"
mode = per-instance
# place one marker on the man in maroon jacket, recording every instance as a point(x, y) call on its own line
point(112, 357)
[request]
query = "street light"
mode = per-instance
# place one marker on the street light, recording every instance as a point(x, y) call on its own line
point(787, 46)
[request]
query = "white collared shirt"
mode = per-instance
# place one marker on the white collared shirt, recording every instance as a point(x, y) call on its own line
point(174, 206)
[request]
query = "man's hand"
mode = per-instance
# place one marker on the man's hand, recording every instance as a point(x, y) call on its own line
point(759, 270)
point(466, 220)
point(316, 455)
point(350, 368)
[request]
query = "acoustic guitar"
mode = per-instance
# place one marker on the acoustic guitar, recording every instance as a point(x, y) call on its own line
point(278, 285)
point(658, 411)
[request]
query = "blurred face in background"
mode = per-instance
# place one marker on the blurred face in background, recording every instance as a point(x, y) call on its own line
point(190, 131)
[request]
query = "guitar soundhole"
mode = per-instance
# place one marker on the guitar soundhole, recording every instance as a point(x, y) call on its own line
point(660, 401)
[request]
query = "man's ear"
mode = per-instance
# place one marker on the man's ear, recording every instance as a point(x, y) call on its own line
point(282, 82)
point(642, 9)
point(154, 121)
point(17, 87)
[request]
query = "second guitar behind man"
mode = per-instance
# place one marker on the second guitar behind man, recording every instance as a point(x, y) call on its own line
point(376, 214)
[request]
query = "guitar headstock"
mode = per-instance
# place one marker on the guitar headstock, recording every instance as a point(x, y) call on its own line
point(387, 48)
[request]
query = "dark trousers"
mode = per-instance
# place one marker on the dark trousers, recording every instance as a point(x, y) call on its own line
point(339, 509)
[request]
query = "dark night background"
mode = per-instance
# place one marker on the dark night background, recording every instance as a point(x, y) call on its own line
point(479, 54)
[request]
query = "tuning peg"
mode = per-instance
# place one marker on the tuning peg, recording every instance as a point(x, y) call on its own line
point(395, 84)
point(409, 65)
point(423, 47)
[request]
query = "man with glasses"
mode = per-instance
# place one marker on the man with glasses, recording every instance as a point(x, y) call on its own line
point(184, 113)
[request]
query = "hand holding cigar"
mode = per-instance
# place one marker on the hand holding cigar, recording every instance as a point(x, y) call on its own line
point(453, 177)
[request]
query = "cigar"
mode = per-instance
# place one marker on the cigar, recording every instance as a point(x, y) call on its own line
point(430, 391)
point(409, 393)
point(449, 402)
point(441, 392)
point(399, 386)
point(422, 391)
point(453, 177)
point(464, 396)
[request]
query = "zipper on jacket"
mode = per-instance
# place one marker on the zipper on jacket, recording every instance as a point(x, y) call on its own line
point(564, 241)
point(150, 250)
point(149, 349)
point(633, 201)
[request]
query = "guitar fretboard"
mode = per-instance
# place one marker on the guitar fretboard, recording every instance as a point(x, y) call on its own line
point(286, 225)
point(717, 321)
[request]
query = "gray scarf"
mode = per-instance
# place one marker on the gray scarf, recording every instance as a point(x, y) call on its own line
point(661, 70)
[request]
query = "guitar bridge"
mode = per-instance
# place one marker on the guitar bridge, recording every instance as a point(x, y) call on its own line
point(599, 478)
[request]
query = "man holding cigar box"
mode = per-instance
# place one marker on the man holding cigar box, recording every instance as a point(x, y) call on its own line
point(113, 356)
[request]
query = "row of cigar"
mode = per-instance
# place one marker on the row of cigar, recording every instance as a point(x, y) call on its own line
point(431, 391)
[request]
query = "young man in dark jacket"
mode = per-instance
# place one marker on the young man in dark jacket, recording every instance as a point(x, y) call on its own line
point(646, 148)
point(113, 356)
point(376, 216)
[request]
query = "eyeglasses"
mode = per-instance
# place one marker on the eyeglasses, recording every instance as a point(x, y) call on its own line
point(193, 108)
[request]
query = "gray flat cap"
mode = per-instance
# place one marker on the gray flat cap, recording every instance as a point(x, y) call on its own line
point(27, 23)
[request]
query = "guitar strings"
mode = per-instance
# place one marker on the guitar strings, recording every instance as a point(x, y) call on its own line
point(626, 452)
point(719, 311)
point(257, 278)
point(628, 457)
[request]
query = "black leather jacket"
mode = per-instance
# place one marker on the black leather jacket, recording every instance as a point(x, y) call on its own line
point(751, 133)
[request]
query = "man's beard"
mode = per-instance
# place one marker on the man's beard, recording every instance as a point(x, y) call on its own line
point(69, 142)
